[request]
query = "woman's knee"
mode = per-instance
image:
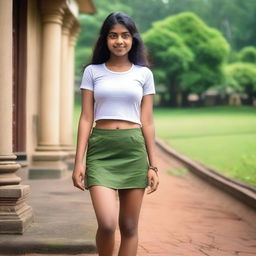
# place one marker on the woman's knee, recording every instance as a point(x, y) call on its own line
point(107, 228)
point(128, 228)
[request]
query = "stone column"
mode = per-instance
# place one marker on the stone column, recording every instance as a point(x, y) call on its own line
point(49, 159)
point(15, 214)
point(66, 92)
point(75, 30)
point(71, 82)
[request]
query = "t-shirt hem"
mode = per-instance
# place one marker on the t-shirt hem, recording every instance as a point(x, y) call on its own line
point(146, 93)
point(85, 88)
point(117, 118)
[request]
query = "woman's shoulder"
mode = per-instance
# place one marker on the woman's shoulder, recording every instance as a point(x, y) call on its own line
point(143, 69)
point(93, 68)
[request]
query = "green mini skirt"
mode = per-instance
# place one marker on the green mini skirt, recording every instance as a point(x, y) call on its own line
point(116, 158)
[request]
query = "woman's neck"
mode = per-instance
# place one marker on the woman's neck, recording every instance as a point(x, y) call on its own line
point(118, 61)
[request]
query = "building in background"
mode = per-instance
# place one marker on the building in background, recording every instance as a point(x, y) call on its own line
point(36, 97)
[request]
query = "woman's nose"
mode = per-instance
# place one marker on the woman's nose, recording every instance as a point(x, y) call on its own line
point(119, 39)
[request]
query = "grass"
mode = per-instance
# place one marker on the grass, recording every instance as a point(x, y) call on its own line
point(221, 137)
point(179, 172)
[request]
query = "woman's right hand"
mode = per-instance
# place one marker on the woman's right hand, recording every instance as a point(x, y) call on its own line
point(78, 176)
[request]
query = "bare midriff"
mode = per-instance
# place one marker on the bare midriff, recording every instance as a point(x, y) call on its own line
point(115, 124)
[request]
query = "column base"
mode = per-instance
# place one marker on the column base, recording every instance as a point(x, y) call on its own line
point(8, 173)
point(70, 149)
point(22, 159)
point(15, 214)
point(71, 158)
point(48, 165)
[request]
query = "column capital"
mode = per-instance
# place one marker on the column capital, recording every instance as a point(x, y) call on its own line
point(52, 11)
point(68, 21)
point(74, 32)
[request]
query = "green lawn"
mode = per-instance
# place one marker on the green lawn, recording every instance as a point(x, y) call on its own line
point(223, 138)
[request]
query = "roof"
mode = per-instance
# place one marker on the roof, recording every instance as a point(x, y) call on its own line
point(86, 6)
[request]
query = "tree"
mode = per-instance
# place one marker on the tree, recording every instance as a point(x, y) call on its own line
point(242, 78)
point(189, 53)
point(235, 19)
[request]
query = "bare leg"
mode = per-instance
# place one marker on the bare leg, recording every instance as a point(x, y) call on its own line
point(105, 206)
point(130, 205)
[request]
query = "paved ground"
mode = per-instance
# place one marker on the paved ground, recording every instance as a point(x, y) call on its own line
point(188, 217)
point(64, 220)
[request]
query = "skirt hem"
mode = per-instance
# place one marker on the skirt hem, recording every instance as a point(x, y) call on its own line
point(116, 188)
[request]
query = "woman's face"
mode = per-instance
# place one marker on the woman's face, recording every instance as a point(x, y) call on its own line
point(119, 40)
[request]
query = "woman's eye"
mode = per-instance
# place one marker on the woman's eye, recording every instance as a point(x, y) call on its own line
point(112, 36)
point(126, 35)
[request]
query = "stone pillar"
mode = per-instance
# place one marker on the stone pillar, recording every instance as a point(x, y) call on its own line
point(15, 214)
point(49, 159)
point(66, 101)
point(71, 82)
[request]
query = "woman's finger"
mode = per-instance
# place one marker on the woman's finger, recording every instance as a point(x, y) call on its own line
point(154, 187)
point(154, 184)
point(149, 181)
point(77, 181)
point(80, 185)
point(150, 190)
point(149, 187)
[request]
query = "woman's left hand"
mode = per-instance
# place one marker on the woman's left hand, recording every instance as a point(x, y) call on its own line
point(153, 181)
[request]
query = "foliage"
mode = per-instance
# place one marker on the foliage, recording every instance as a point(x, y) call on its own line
point(178, 172)
point(167, 47)
point(247, 54)
point(242, 77)
point(189, 53)
point(82, 56)
point(235, 19)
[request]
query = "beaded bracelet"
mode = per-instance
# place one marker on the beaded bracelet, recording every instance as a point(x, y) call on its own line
point(153, 168)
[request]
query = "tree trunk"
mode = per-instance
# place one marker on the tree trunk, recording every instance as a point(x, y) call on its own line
point(173, 92)
point(185, 102)
point(250, 97)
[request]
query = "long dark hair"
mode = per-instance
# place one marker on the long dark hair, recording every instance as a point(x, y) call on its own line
point(136, 55)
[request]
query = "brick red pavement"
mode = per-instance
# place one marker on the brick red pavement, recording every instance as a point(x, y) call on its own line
point(189, 217)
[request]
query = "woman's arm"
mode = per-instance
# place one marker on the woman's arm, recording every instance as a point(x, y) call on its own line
point(148, 127)
point(84, 129)
point(148, 130)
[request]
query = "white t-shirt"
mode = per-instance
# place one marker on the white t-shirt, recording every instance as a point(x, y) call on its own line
point(118, 95)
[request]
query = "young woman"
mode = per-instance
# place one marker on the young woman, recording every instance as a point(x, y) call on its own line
point(117, 93)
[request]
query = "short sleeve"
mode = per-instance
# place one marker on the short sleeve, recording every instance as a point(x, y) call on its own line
point(149, 86)
point(87, 79)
